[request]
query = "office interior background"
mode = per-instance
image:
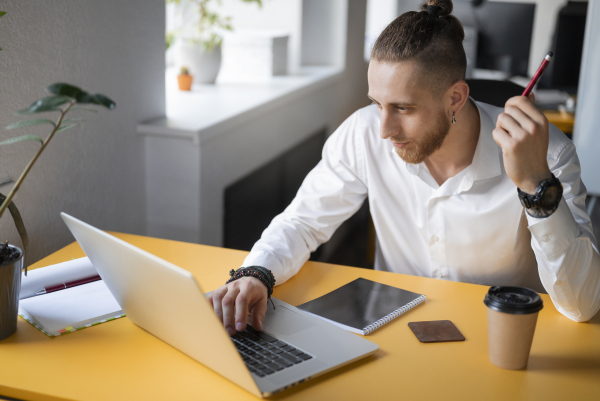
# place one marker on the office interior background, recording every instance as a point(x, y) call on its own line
point(214, 165)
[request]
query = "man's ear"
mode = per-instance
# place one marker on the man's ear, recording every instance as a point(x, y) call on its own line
point(458, 96)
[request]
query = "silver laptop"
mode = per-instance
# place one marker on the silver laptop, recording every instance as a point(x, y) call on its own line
point(168, 302)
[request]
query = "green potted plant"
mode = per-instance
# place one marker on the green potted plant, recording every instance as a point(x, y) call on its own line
point(63, 99)
point(199, 46)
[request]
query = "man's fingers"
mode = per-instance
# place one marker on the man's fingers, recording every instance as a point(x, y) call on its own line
point(522, 103)
point(503, 139)
point(228, 304)
point(507, 123)
point(527, 107)
point(258, 313)
point(241, 310)
point(529, 126)
point(233, 301)
point(217, 296)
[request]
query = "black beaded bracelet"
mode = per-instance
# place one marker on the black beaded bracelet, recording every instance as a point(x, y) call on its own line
point(264, 275)
point(268, 274)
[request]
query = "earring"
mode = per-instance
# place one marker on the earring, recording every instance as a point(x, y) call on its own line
point(453, 118)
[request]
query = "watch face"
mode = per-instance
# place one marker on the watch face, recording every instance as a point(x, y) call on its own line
point(550, 196)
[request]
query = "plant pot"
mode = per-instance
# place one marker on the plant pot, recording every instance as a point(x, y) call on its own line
point(185, 82)
point(203, 64)
point(10, 286)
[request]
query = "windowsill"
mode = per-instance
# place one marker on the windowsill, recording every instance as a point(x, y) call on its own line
point(208, 110)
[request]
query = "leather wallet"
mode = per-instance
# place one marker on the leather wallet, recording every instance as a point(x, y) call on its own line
point(436, 331)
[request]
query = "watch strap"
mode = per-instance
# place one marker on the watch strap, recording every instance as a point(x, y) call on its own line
point(534, 204)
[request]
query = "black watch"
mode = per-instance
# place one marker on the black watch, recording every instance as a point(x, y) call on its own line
point(545, 200)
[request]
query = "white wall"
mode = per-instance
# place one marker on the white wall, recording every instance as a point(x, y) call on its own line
point(324, 28)
point(94, 172)
point(587, 124)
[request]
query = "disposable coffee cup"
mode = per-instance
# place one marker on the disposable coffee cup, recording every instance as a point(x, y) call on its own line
point(512, 316)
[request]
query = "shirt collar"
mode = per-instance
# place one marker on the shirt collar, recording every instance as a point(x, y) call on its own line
point(486, 160)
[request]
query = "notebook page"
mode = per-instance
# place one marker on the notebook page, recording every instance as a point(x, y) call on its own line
point(73, 307)
point(55, 274)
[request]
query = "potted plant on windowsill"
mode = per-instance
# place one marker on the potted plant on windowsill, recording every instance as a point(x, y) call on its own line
point(184, 79)
point(62, 100)
point(198, 45)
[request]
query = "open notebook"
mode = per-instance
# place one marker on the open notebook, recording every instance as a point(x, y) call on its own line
point(362, 305)
point(70, 309)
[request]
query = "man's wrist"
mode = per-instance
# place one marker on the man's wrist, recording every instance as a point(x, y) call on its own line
point(260, 273)
point(530, 186)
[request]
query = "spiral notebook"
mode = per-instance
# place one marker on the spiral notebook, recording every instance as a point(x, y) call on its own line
point(362, 305)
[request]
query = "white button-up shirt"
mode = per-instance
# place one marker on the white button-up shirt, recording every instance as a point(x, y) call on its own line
point(472, 228)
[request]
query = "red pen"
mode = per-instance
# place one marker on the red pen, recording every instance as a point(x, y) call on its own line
point(70, 284)
point(538, 74)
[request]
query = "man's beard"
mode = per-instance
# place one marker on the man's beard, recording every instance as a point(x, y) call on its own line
point(427, 143)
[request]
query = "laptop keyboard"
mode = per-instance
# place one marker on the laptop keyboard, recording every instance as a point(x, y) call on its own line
point(265, 354)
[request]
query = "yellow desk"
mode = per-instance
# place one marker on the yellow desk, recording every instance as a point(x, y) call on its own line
point(120, 361)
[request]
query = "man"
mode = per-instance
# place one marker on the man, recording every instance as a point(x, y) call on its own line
point(441, 172)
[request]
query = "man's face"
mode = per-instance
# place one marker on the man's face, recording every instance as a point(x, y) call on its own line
point(412, 117)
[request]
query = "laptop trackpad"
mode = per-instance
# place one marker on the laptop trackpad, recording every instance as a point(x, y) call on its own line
point(286, 321)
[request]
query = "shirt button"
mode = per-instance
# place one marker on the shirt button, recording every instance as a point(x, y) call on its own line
point(546, 238)
point(436, 273)
point(433, 239)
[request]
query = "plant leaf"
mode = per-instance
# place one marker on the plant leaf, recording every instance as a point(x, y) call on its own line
point(21, 139)
point(84, 97)
point(65, 90)
point(65, 127)
point(104, 101)
point(27, 123)
point(62, 89)
point(98, 99)
point(48, 103)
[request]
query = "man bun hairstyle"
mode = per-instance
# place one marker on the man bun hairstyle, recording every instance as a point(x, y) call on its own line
point(432, 38)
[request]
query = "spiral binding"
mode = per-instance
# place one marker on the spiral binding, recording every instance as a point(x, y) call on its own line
point(393, 315)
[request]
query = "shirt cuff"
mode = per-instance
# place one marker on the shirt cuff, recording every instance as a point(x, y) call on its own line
point(268, 261)
point(556, 232)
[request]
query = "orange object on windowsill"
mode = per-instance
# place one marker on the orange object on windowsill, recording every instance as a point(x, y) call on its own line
point(185, 82)
point(184, 79)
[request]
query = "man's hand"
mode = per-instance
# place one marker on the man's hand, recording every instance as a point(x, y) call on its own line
point(233, 301)
point(522, 133)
